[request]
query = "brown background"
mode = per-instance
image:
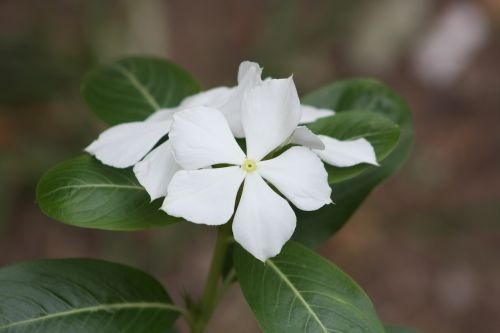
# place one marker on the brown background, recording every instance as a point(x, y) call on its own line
point(426, 244)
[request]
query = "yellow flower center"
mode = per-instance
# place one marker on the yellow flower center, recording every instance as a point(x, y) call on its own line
point(249, 165)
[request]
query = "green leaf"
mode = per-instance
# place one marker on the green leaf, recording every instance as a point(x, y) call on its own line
point(300, 291)
point(382, 133)
point(82, 296)
point(85, 193)
point(132, 88)
point(350, 96)
point(395, 329)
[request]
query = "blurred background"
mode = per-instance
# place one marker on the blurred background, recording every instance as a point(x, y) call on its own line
point(425, 245)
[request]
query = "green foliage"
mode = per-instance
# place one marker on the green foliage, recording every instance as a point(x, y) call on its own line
point(382, 133)
point(81, 296)
point(85, 193)
point(132, 88)
point(348, 96)
point(299, 291)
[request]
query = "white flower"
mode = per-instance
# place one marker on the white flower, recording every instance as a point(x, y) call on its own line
point(310, 114)
point(131, 144)
point(126, 144)
point(206, 190)
point(332, 151)
point(336, 152)
point(346, 153)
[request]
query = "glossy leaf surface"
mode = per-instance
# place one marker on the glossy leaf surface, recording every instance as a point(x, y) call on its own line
point(299, 291)
point(132, 88)
point(85, 193)
point(351, 96)
point(81, 296)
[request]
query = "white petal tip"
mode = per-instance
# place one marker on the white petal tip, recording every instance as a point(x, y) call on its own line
point(264, 258)
point(309, 114)
point(347, 153)
point(110, 163)
point(372, 160)
point(164, 209)
point(89, 149)
point(153, 198)
point(326, 203)
point(303, 136)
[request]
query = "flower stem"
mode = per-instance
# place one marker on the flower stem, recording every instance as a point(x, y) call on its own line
point(209, 299)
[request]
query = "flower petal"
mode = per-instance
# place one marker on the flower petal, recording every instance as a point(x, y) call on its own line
point(214, 97)
point(205, 196)
point(309, 114)
point(300, 176)
point(303, 136)
point(162, 114)
point(126, 144)
point(249, 76)
point(346, 153)
point(201, 137)
point(264, 221)
point(156, 170)
point(249, 72)
point(271, 112)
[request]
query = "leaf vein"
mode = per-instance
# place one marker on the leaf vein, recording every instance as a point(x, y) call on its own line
point(95, 308)
point(139, 86)
point(297, 294)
